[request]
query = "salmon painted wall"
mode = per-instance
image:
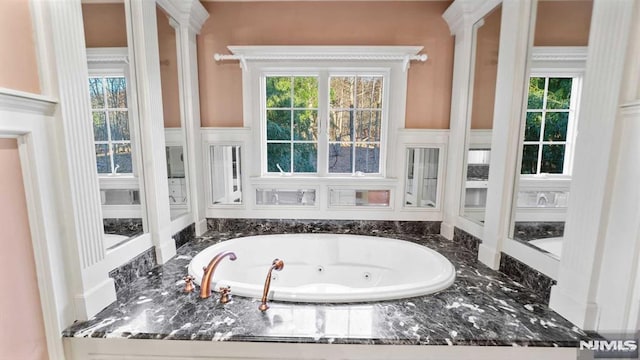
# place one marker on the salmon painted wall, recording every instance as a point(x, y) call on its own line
point(327, 23)
point(563, 23)
point(486, 71)
point(104, 25)
point(168, 71)
point(558, 23)
point(18, 62)
point(21, 325)
point(21, 312)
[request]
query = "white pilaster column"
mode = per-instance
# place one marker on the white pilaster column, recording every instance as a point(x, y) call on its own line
point(457, 129)
point(459, 16)
point(145, 54)
point(591, 188)
point(92, 288)
point(192, 17)
point(516, 31)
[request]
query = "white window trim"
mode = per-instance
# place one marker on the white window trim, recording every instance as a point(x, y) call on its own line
point(395, 83)
point(561, 61)
point(114, 61)
point(324, 75)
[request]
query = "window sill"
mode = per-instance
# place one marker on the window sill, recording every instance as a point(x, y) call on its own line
point(338, 180)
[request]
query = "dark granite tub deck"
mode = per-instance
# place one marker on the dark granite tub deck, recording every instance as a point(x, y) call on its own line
point(482, 307)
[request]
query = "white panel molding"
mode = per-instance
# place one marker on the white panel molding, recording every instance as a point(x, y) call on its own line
point(574, 297)
point(147, 74)
point(321, 210)
point(515, 36)
point(20, 119)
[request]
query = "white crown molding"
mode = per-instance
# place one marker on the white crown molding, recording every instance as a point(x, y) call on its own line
point(14, 100)
point(559, 53)
point(324, 51)
point(195, 13)
point(467, 12)
point(456, 15)
point(186, 12)
point(107, 54)
point(406, 54)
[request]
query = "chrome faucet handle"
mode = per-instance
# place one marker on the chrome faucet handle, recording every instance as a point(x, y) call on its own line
point(188, 283)
point(225, 297)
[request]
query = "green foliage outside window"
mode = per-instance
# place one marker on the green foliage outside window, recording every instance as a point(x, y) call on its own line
point(292, 123)
point(547, 121)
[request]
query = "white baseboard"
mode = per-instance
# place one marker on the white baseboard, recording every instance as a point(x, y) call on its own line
point(446, 230)
point(201, 227)
point(489, 257)
point(584, 315)
point(166, 251)
point(95, 299)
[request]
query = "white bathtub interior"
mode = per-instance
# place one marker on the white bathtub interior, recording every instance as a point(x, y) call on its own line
point(111, 240)
point(551, 245)
point(327, 268)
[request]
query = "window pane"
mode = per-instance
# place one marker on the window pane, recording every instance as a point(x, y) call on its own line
point(552, 159)
point(342, 92)
point(103, 161)
point(278, 92)
point(559, 93)
point(100, 126)
point(122, 158)
point(340, 126)
point(369, 92)
point(305, 125)
point(340, 157)
point(367, 157)
point(96, 92)
point(532, 128)
point(368, 125)
point(278, 154)
point(305, 92)
point(555, 126)
point(278, 125)
point(305, 158)
point(116, 92)
point(530, 159)
point(536, 93)
point(119, 123)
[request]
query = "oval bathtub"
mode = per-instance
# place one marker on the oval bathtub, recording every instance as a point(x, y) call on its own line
point(327, 268)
